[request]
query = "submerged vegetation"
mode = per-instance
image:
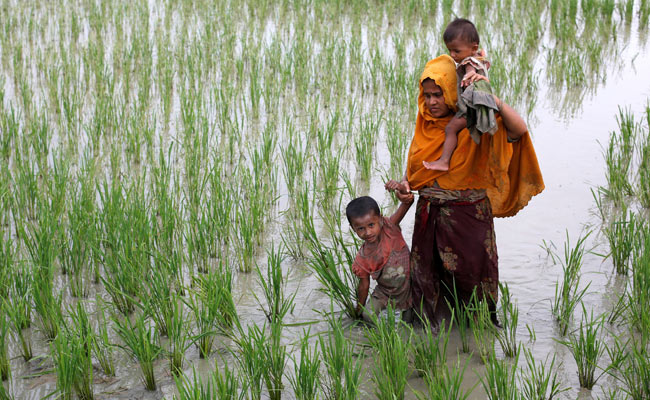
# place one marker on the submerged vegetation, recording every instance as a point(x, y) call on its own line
point(153, 152)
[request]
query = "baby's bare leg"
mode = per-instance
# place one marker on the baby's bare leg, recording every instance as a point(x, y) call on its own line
point(451, 139)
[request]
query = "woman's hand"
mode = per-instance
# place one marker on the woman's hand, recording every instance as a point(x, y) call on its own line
point(512, 121)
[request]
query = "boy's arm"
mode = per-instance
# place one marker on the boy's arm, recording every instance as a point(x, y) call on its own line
point(405, 203)
point(362, 293)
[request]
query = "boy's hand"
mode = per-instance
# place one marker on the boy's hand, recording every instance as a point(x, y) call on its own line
point(392, 185)
point(406, 198)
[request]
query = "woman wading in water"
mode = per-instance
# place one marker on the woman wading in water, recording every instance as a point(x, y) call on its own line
point(453, 237)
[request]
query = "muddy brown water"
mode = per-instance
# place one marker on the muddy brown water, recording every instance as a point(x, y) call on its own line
point(570, 155)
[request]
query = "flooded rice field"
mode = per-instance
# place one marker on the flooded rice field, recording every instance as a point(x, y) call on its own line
point(175, 175)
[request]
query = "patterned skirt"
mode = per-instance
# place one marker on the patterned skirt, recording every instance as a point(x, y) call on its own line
point(453, 244)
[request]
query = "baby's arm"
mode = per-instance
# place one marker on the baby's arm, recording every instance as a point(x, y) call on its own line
point(362, 293)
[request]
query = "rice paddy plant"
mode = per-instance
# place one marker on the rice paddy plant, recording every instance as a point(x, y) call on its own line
point(621, 235)
point(194, 388)
point(343, 368)
point(638, 297)
point(631, 366)
point(101, 346)
point(141, 343)
point(447, 383)
point(226, 384)
point(618, 159)
point(364, 146)
point(390, 373)
point(480, 323)
point(540, 381)
point(159, 304)
point(461, 316)
point(213, 308)
point(338, 280)
point(275, 361)
point(567, 292)
point(326, 177)
point(274, 287)
point(5, 367)
point(21, 296)
point(643, 189)
point(509, 313)
point(430, 352)
point(587, 347)
point(179, 338)
point(47, 306)
point(72, 362)
point(252, 360)
point(500, 380)
point(306, 372)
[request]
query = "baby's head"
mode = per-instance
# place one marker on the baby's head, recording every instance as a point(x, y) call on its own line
point(365, 218)
point(461, 39)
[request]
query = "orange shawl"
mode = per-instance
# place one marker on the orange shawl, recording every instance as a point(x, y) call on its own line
point(508, 171)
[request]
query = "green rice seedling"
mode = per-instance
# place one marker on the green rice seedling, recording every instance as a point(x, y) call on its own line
point(540, 381)
point(325, 178)
point(567, 292)
point(251, 358)
point(278, 304)
point(343, 368)
point(391, 371)
point(480, 323)
point(461, 316)
point(46, 305)
point(101, 346)
point(430, 352)
point(275, 361)
point(159, 304)
point(500, 380)
point(15, 315)
point(194, 388)
point(396, 141)
point(364, 150)
point(81, 336)
point(141, 343)
point(294, 159)
point(179, 339)
point(447, 383)
point(64, 363)
point(246, 237)
point(306, 377)
point(643, 189)
point(213, 308)
point(587, 347)
point(638, 297)
point(339, 282)
point(621, 235)
point(21, 295)
point(4, 349)
point(618, 166)
point(5, 394)
point(226, 384)
point(509, 313)
point(631, 366)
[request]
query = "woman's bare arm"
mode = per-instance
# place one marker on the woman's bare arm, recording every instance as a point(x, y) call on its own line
point(514, 124)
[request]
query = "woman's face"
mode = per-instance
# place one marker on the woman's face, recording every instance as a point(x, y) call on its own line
point(434, 100)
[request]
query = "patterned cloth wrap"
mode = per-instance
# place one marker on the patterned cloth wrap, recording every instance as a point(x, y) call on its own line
point(475, 102)
point(453, 246)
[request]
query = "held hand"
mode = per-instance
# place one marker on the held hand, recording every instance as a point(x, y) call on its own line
point(472, 77)
point(392, 186)
point(406, 198)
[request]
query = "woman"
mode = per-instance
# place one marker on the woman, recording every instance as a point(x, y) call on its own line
point(453, 238)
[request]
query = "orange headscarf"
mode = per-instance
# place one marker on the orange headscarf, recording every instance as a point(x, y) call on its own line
point(508, 171)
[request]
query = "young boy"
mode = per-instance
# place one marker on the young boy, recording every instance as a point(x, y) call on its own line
point(476, 106)
point(383, 255)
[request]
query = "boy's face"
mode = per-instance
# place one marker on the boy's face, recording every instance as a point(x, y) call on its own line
point(367, 227)
point(460, 49)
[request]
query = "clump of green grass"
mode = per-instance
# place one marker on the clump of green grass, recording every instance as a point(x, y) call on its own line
point(430, 352)
point(278, 304)
point(343, 368)
point(500, 380)
point(509, 315)
point(461, 316)
point(306, 375)
point(540, 381)
point(391, 370)
point(5, 367)
point(621, 235)
point(567, 292)
point(141, 343)
point(483, 330)
point(587, 347)
point(101, 345)
point(446, 383)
